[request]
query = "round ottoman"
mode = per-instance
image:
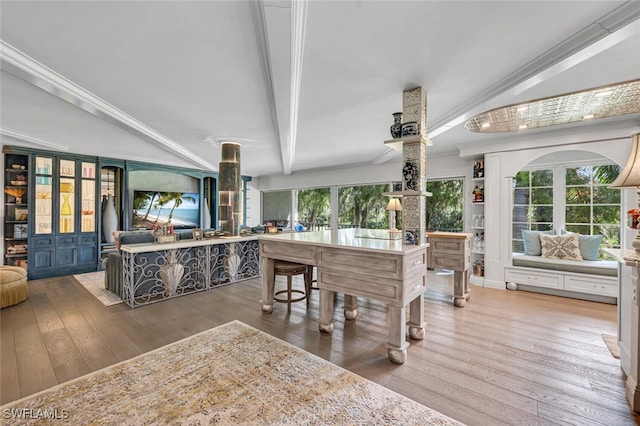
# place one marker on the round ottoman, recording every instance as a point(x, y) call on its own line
point(13, 285)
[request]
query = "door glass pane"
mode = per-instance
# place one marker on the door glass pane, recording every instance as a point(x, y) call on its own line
point(44, 198)
point(88, 222)
point(67, 196)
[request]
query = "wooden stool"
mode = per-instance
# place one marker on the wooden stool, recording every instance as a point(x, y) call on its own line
point(289, 269)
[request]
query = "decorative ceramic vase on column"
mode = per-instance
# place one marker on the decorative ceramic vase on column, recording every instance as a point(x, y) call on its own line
point(396, 127)
point(109, 220)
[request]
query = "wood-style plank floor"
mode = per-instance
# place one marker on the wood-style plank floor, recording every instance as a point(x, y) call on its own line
point(507, 358)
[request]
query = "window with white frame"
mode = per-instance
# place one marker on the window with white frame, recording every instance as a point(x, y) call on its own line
point(591, 207)
point(575, 198)
point(533, 206)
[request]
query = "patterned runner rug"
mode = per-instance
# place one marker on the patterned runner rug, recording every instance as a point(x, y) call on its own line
point(94, 282)
point(231, 374)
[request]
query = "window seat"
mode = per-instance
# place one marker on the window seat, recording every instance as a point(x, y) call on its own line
point(584, 279)
point(607, 268)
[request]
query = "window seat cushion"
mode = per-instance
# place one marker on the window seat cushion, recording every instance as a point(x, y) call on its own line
point(607, 268)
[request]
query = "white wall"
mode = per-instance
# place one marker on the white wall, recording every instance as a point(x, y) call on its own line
point(253, 204)
point(355, 175)
point(437, 167)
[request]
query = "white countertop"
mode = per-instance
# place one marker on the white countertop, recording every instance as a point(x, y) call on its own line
point(149, 247)
point(347, 238)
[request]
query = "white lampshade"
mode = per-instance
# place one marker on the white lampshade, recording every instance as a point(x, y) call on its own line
point(394, 204)
point(629, 177)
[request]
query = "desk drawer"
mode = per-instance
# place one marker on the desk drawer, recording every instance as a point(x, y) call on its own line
point(383, 265)
point(449, 245)
point(301, 253)
point(534, 278)
point(445, 261)
point(413, 287)
point(415, 263)
point(601, 286)
point(360, 285)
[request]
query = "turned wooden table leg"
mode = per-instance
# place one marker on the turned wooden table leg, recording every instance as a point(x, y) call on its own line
point(268, 282)
point(458, 289)
point(416, 318)
point(350, 307)
point(397, 345)
point(326, 310)
point(467, 289)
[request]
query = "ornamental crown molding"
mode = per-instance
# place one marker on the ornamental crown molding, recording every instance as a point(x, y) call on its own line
point(32, 140)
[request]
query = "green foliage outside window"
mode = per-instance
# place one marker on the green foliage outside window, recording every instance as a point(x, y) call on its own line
point(314, 207)
point(532, 203)
point(444, 208)
point(364, 207)
point(591, 206)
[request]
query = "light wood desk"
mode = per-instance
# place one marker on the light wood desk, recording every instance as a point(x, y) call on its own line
point(452, 250)
point(379, 269)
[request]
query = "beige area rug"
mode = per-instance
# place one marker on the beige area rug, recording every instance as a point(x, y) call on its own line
point(94, 282)
point(612, 344)
point(231, 374)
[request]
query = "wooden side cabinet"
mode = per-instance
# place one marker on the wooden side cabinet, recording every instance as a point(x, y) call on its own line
point(452, 250)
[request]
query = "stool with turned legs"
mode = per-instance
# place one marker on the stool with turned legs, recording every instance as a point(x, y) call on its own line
point(289, 270)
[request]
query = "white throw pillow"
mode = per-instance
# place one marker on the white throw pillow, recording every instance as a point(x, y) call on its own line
point(565, 247)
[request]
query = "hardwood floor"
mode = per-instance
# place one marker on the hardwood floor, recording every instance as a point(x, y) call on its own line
point(506, 358)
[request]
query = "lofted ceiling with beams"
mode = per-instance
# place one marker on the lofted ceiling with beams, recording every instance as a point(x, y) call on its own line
point(300, 84)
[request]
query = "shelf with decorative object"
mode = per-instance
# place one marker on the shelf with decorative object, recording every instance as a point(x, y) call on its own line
point(477, 222)
point(16, 210)
point(407, 193)
point(399, 142)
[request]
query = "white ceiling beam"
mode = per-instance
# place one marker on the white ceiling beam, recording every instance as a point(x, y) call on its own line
point(298, 30)
point(264, 52)
point(23, 66)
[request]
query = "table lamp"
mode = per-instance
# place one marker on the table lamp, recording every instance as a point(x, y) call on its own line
point(393, 207)
point(629, 177)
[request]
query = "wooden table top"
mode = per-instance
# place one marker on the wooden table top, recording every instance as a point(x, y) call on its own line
point(438, 234)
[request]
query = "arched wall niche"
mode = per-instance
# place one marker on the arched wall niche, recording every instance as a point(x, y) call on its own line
point(501, 167)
